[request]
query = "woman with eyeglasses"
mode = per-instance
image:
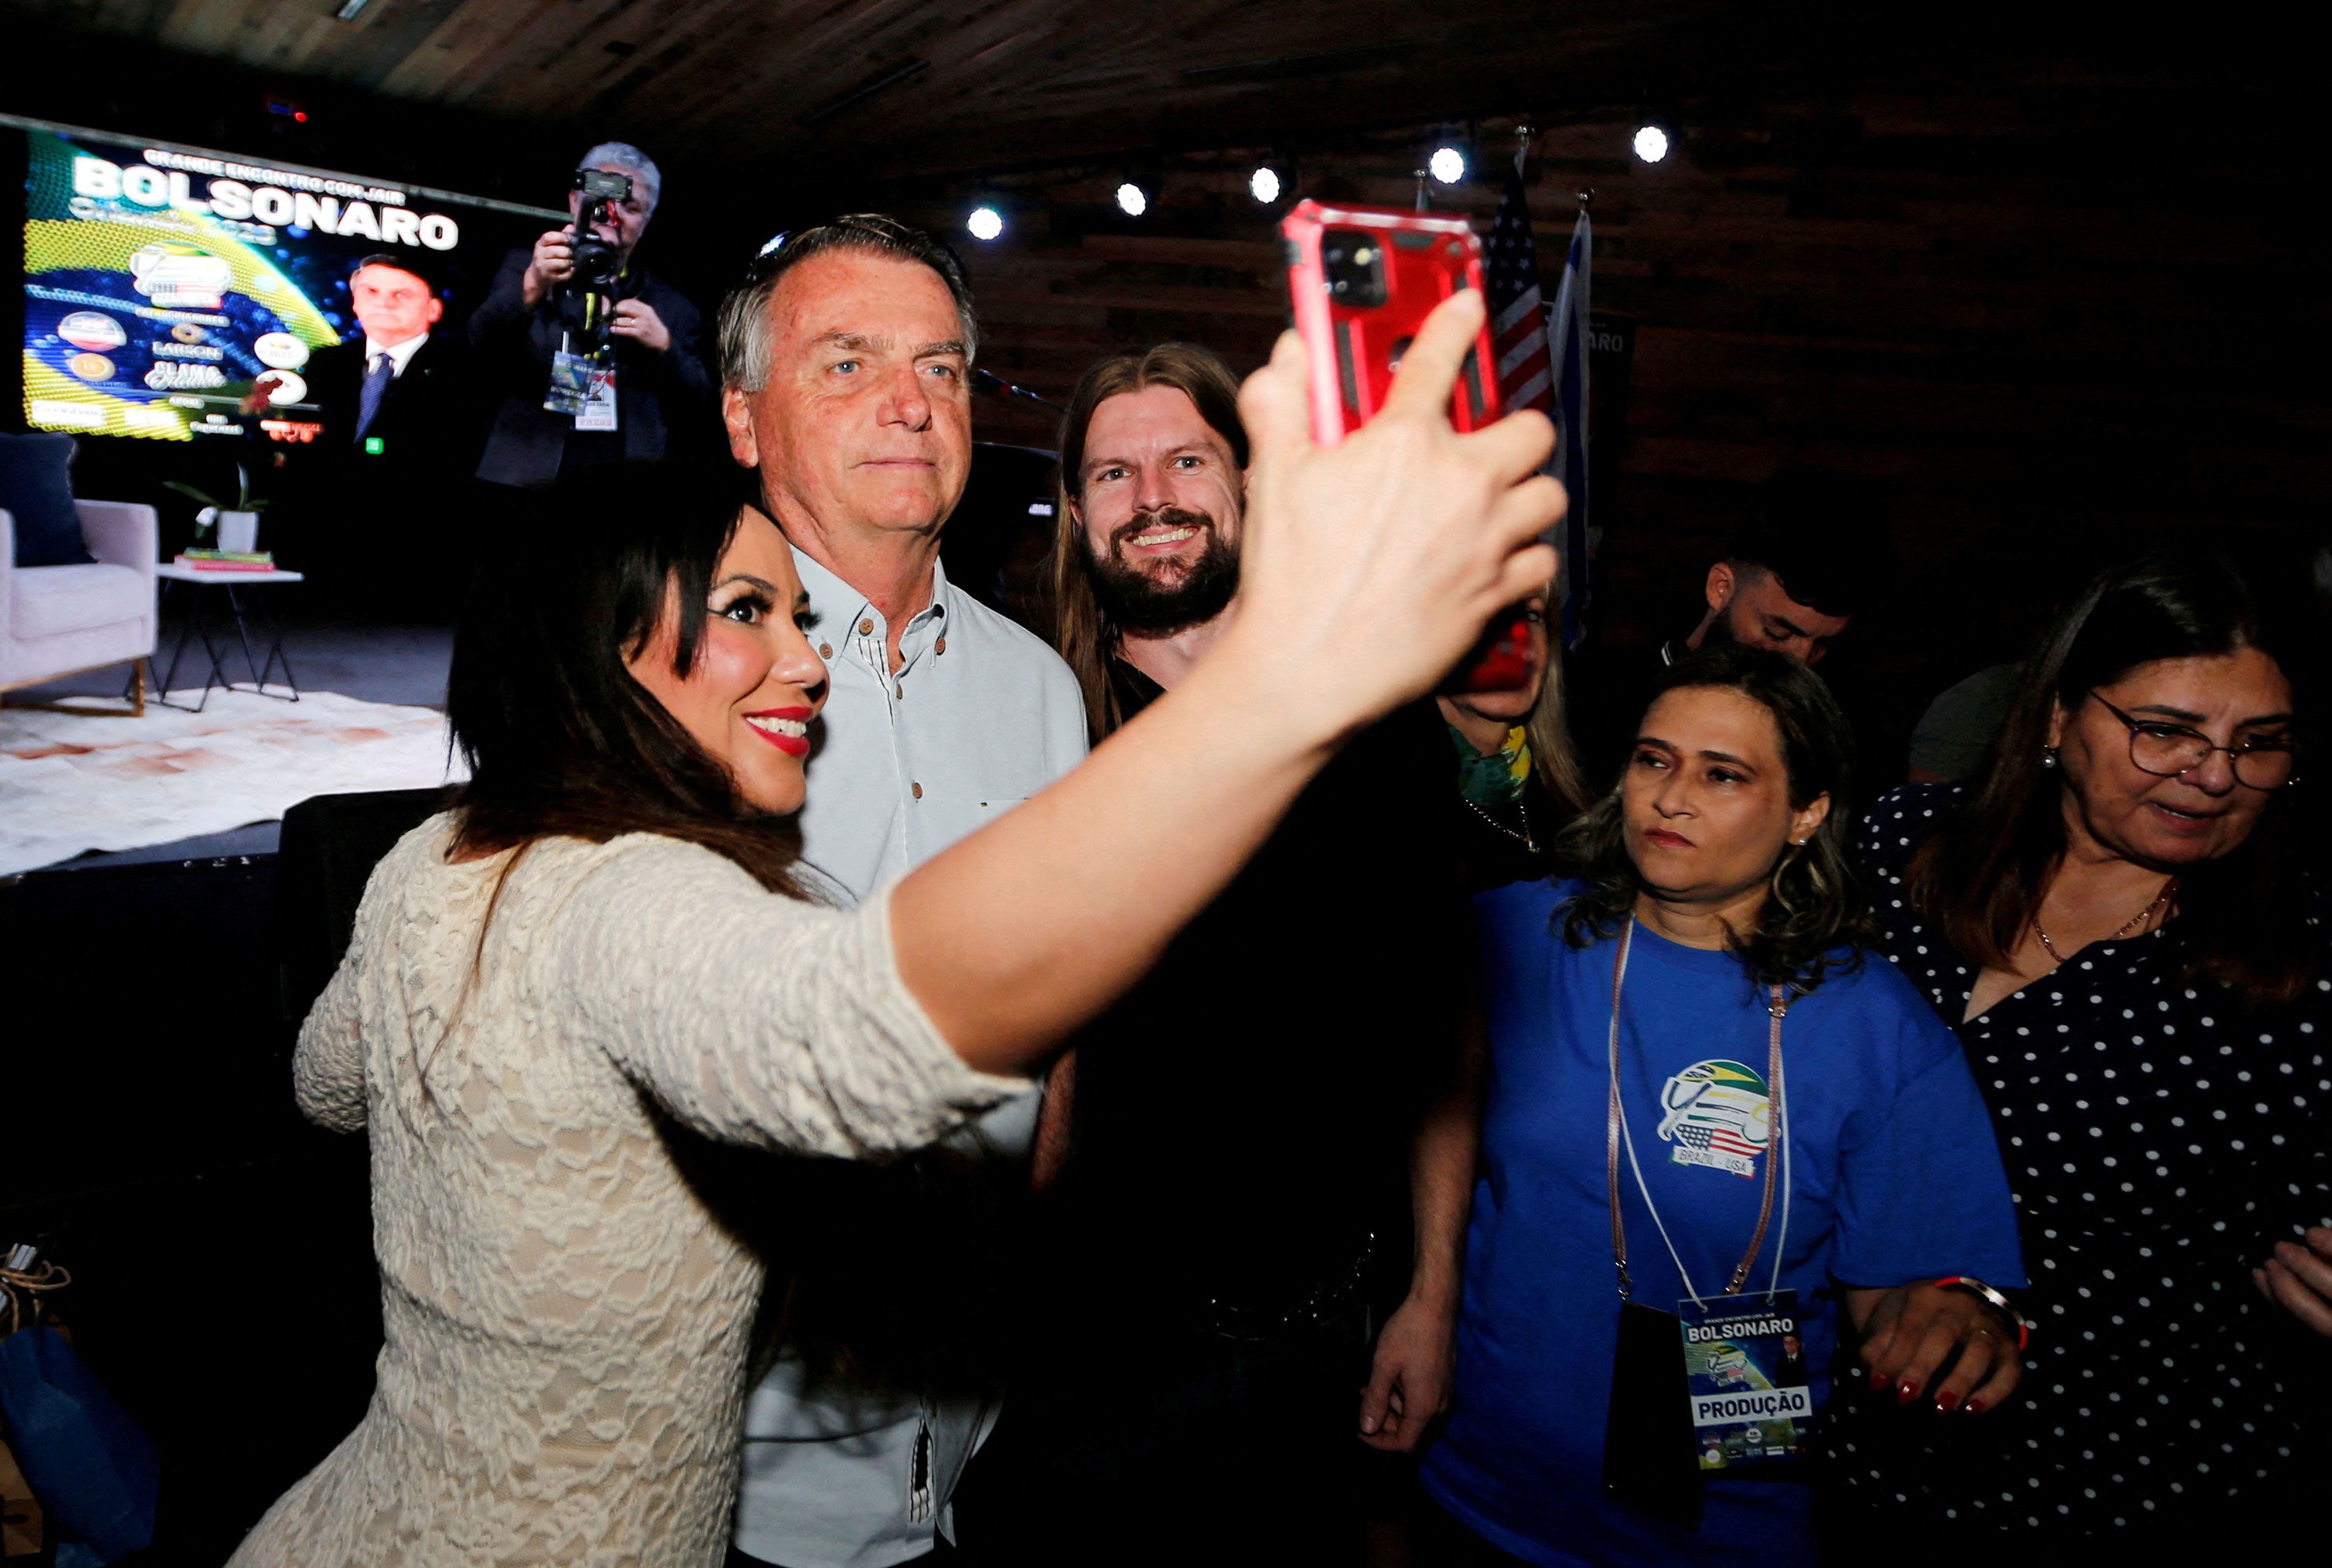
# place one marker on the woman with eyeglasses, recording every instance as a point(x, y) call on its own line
point(2117, 923)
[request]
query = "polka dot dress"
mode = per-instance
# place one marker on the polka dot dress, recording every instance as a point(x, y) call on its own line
point(2159, 1137)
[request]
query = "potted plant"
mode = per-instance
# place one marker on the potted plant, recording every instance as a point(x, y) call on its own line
point(238, 525)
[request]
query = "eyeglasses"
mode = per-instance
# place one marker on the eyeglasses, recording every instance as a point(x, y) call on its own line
point(2167, 751)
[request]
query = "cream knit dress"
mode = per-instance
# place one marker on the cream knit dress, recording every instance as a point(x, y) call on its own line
point(567, 1321)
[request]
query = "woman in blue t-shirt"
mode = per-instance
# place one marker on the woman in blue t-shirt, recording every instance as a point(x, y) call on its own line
point(1700, 1099)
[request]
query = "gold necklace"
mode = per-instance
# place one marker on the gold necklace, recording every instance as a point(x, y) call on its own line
point(2169, 888)
point(1524, 839)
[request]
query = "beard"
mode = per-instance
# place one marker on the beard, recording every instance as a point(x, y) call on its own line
point(1160, 606)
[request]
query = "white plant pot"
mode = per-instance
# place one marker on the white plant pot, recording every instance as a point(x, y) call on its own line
point(238, 531)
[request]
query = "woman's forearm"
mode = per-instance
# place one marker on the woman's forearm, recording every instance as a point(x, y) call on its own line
point(1022, 932)
point(1442, 1161)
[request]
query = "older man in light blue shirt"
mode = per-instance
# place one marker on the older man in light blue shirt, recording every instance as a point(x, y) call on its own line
point(845, 358)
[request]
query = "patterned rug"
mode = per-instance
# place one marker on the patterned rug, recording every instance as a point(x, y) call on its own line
point(72, 782)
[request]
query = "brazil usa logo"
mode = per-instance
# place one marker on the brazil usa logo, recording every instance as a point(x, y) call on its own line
point(1717, 1114)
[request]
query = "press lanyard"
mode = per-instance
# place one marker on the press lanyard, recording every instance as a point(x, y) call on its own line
point(1615, 1131)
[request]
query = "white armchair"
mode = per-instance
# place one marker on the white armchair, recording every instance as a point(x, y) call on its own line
point(61, 620)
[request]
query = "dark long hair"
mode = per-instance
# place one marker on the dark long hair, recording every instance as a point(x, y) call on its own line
point(1816, 905)
point(1083, 632)
point(560, 739)
point(1981, 876)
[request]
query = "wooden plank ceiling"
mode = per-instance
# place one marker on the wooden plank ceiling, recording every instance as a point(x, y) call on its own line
point(919, 87)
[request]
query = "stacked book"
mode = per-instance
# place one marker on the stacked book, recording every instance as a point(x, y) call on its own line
point(227, 560)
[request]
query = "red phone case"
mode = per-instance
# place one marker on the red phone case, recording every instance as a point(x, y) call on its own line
point(1356, 348)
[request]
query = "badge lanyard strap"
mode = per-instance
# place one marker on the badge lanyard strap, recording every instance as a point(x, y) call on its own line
point(567, 346)
point(1616, 1132)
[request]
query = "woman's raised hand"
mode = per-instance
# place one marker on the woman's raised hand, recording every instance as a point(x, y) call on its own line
point(1370, 568)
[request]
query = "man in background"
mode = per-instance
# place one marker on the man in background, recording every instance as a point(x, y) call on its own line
point(844, 364)
point(393, 393)
point(400, 439)
point(1815, 554)
point(588, 374)
point(1215, 1252)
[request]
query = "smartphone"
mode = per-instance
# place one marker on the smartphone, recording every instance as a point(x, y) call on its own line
point(1361, 280)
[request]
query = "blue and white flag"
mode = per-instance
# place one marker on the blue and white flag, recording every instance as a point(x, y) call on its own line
point(1568, 337)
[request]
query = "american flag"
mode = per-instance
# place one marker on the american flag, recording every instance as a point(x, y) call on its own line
point(1517, 310)
point(1542, 365)
point(1719, 1137)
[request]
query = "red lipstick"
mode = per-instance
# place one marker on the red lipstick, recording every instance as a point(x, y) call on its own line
point(791, 745)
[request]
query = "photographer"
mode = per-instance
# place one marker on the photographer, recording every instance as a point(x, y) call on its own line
point(592, 361)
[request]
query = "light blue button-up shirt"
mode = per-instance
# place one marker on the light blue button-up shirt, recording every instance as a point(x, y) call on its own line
point(980, 715)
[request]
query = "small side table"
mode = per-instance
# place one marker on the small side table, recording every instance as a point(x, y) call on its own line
point(203, 622)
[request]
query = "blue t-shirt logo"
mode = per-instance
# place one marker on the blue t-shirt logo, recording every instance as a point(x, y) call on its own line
point(1719, 1114)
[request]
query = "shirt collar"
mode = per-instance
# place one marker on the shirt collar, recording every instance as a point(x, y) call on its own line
point(1135, 690)
point(400, 354)
point(838, 604)
point(1497, 779)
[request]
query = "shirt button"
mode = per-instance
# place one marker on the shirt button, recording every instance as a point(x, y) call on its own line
point(825, 650)
point(940, 647)
point(900, 691)
point(866, 627)
point(919, 791)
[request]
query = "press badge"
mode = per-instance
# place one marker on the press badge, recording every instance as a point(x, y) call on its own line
point(584, 387)
point(1744, 1364)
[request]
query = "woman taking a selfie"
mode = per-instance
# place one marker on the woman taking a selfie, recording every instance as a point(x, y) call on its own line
point(1708, 1124)
point(557, 991)
point(2118, 925)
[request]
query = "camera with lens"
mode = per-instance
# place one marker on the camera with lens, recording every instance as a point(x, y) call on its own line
point(596, 261)
point(1353, 263)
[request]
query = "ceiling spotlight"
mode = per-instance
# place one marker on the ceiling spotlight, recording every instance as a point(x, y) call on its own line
point(1651, 141)
point(1446, 165)
point(1132, 199)
point(985, 221)
point(1264, 184)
